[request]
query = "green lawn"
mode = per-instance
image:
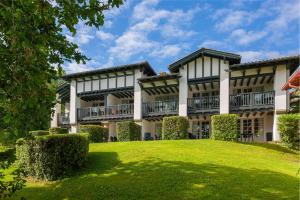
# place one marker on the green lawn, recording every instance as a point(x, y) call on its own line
point(187, 169)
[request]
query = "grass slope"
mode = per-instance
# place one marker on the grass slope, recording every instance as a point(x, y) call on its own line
point(187, 169)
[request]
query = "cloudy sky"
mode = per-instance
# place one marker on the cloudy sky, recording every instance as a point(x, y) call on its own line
point(162, 31)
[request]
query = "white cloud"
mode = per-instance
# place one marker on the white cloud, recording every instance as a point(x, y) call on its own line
point(213, 44)
point(167, 51)
point(147, 19)
point(243, 37)
point(80, 67)
point(258, 55)
point(231, 19)
point(83, 35)
point(104, 35)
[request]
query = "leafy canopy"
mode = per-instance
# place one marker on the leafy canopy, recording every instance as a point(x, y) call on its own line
point(32, 51)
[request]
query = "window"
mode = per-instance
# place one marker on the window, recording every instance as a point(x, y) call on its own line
point(258, 125)
point(247, 126)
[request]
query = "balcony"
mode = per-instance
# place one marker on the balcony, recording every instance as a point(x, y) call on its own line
point(252, 101)
point(63, 119)
point(120, 111)
point(209, 104)
point(160, 108)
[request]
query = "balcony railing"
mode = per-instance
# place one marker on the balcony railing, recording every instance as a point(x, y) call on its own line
point(102, 112)
point(160, 108)
point(252, 100)
point(63, 119)
point(203, 104)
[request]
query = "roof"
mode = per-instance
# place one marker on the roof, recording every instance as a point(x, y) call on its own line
point(159, 77)
point(273, 61)
point(143, 65)
point(293, 81)
point(231, 57)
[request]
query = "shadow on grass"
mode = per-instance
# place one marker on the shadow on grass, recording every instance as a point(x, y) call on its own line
point(271, 146)
point(106, 177)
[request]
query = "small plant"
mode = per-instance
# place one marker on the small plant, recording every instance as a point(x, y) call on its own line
point(96, 133)
point(128, 131)
point(175, 127)
point(38, 133)
point(224, 127)
point(58, 130)
point(288, 126)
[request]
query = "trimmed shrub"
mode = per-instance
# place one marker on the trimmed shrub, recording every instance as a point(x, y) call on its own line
point(58, 130)
point(128, 131)
point(96, 133)
point(39, 133)
point(288, 126)
point(174, 128)
point(51, 157)
point(224, 127)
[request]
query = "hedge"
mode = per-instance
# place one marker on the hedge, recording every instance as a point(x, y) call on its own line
point(96, 133)
point(224, 127)
point(51, 157)
point(58, 130)
point(39, 133)
point(175, 127)
point(288, 127)
point(128, 131)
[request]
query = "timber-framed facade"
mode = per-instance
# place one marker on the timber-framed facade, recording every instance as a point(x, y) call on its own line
point(201, 84)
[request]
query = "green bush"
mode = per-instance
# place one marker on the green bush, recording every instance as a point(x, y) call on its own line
point(58, 130)
point(39, 133)
point(96, 133)
point(174, 128)
point(288, 126)
point(224, 127)
point(51, 157)
point(128, 131)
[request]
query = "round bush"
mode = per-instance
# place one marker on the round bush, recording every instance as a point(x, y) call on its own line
point(288, 126)
point(224, 127)
point(128, 131)
point(96, 133)
point(174, 128)
point(51, 157)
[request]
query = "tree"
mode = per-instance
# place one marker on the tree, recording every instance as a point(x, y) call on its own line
point(32, 51)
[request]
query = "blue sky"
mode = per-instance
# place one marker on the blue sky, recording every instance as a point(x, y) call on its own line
point(163, 31)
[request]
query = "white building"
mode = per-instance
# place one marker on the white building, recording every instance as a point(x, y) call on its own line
point(199, 85)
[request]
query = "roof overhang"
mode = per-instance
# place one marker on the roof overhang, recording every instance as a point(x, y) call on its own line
point(288, 60)
point(293, 81)
point(143, 66)
point(231, 57)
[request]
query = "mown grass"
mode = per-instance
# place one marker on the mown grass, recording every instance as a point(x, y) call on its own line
point(186, 169)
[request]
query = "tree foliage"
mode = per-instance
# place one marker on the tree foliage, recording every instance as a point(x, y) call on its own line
point(33, 48)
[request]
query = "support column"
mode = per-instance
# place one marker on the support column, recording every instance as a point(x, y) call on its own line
point(224, 87)
point(183, 91)
point(281, 97)
point(137, 96)
point(74, 104)
point(57, 110)
point(112, 129)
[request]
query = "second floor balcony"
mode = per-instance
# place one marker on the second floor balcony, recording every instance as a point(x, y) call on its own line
point(120, 111)
point(252, 101)
point(160, 108)
point(208, 104)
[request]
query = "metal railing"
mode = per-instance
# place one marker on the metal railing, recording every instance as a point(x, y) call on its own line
point(160, 108)
point(63, 119)
point(105, 112)
point(252, 100)
point(203, 104)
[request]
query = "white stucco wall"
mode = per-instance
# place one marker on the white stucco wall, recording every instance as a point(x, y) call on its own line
point(74, 104)
point(224, 87)
point(183, 91)
point(137, 96)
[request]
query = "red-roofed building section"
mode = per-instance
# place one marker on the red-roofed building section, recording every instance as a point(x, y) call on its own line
point(293, 81)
